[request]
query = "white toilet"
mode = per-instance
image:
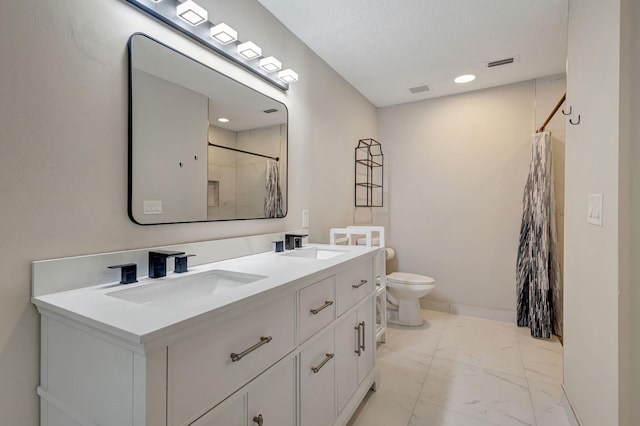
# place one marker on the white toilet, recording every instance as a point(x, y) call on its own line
point(404, 291)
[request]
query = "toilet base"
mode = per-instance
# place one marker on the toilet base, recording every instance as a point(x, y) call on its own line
point(408, 313)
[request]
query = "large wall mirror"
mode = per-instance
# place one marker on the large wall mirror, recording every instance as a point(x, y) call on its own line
point(202, 146)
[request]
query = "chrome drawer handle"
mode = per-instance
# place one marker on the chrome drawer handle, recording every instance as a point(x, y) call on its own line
point(362, 282)
point(263, 341)
point(326, 305)
point(258, 419)
point(326, 360)
point(361, 335)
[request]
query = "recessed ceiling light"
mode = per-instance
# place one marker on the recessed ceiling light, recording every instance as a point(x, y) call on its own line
point(224, 33)
point(191, 13)
point(223, 120)
point(466, 78)
point(249, 50)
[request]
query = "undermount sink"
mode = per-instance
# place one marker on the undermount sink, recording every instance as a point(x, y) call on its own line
point(315, 253)
point(189, 289)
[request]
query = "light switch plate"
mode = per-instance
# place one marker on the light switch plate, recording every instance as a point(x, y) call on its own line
point(594, 209)
point(305, 218)
point(152, 207)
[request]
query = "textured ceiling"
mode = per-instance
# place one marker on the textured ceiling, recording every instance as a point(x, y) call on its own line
point(385, 47)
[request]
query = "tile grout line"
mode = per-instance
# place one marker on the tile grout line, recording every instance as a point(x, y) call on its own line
point(415, 403)
point(535, 418)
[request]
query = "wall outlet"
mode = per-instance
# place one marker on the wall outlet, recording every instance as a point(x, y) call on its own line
point(594, 209)
point(305, 218)
point(152, 207)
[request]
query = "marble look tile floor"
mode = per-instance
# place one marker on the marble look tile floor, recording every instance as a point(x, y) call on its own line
point(463, 371)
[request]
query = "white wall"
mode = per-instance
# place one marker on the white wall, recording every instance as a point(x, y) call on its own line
point(456, 169)
point(63, 153)
point(592, 253)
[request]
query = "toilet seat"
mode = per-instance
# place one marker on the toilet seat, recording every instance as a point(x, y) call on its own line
point(407, 278)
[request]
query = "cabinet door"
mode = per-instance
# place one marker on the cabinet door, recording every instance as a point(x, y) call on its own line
point(366, 321)
point(273, 398)
point(230, 413)
point(346, 357)
point(317, 380)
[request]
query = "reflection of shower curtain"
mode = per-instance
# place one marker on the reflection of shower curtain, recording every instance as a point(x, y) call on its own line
point(272, 194)
point(538, 271)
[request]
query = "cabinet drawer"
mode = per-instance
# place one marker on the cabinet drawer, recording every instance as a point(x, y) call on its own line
point(354, 284)
point(317, 382)
point(317, 307)
point(201, 370)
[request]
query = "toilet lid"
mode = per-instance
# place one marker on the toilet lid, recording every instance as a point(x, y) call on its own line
point(408, 278)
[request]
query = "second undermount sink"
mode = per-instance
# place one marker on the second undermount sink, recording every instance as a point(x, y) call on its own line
point(188, 289)
point(315, 253)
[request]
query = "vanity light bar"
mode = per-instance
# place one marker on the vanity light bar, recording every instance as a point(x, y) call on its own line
point(270, 64)
point(249, 50)
point(192, 13)
point(192, 20)
point(223, 33)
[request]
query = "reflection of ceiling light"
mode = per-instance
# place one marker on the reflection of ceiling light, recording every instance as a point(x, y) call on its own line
point(156, 1)
point(465, 78)
point(288, 75)
point(270, 64)
point(224, 33)
point(223, 120)
point(192, 13)
point(249, 50)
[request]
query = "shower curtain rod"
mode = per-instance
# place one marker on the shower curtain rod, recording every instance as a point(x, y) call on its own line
point(557, 107)
point(244, 152)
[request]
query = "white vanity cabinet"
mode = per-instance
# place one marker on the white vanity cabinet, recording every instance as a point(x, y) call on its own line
point(354, 283)
point(355, 349)
point(317, 382)
point(269, 400)
point(205, 368)
point(285, 355)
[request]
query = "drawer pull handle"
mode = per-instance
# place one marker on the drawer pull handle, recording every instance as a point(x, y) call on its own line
point(362, 282)
point(358, 347)
point(363, 336)
point(263, 341)
point(326, 360)
point(258, 419)
point(326, 305)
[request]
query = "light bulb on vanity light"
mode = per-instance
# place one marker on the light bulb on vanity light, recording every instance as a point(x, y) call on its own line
point(288, 75)
point(270, 64)
point(192, 13)
point(249, 50)
point(223, 33)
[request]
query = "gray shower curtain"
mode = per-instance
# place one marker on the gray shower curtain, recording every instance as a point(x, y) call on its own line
point(539, 288)
point(272, 193)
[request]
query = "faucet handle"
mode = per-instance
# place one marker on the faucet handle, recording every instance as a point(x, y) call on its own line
point(129, 272)
point(292, 241)
point(181, 263)
point(158, 262)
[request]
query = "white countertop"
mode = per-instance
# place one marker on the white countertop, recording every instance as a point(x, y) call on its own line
point(140, 323)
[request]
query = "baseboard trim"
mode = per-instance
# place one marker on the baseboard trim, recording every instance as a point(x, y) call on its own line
point(469, 310)
point(569, 410)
